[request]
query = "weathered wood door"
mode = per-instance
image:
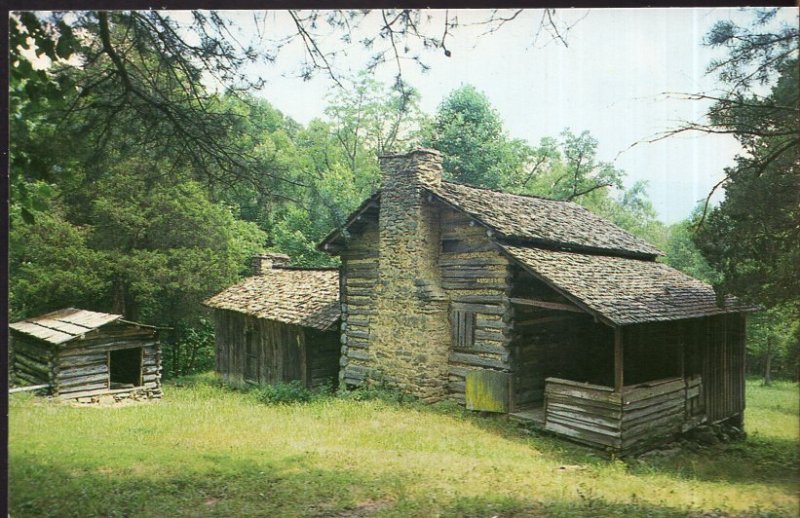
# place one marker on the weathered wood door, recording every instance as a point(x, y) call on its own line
point(291, 351)
point(251, 359)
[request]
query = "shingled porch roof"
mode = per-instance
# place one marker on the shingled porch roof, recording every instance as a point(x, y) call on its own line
point(624, 291)
point(303, 297)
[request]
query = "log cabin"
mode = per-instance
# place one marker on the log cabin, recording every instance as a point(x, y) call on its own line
point(81, 354)
point(532, 307)
point(279, 325)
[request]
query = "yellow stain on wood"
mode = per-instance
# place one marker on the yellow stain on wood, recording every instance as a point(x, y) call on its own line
point(487, 391)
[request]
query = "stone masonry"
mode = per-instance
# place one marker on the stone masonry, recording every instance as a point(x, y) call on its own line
point(409, 329)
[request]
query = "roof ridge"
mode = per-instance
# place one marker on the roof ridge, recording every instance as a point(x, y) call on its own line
point(500, 191)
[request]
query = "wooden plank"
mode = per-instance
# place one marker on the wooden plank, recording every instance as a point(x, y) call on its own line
point(31, 378)
point(90, 319)
point(461, 372)
point(583, 436)
point(29, 388)
point(541, 320)
point(31, 363)
point(450, 246)
point(76, 372)
point(474, 261)
point(42, 333)
point(487, 309)
point(559, 382)
point(639, 392)
point(478, 361)
point(83, 380)
point(546, 304)
point(490, 335)
point(585, 420)
point(613, 413)
point(619, 381)
point(483, 347)
point(82, 360)
point(493, 284)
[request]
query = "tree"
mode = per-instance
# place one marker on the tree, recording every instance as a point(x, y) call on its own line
point(752, 237)
point(469, 133)
point(369, 116)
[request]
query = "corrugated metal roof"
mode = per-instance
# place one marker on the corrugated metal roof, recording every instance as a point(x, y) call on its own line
point(308, 298)
point(63, 325)
point(623, 290)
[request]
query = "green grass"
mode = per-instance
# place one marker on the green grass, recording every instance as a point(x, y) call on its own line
point(211, 451)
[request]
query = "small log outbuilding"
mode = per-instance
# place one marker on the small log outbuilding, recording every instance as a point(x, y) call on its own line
point(279, 325)
point(79, 353)
point(533, 307)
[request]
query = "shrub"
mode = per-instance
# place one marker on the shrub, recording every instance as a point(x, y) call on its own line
point(284, 393)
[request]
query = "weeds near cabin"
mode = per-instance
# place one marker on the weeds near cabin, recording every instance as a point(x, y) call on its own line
point(209, 450)
point(284, 393)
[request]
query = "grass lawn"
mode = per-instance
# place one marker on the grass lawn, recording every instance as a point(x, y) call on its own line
point(205, 450)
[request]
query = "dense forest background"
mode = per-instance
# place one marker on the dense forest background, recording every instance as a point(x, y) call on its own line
point(137, 189)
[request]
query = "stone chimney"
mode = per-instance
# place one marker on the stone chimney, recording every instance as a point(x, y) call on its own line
point(260, 263)
point(409, 332)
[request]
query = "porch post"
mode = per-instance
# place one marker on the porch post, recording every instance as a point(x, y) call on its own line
point(618, 381)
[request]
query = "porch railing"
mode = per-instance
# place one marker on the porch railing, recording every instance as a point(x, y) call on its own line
point(623, 421)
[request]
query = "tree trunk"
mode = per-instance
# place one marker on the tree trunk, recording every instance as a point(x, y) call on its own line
point(768, 362)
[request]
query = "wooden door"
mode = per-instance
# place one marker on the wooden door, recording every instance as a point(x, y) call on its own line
point(251, 359)
point(292, 354)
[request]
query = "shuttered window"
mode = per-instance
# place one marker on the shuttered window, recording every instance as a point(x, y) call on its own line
point(463, 329)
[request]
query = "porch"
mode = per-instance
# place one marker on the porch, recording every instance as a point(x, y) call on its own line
point(627, 421)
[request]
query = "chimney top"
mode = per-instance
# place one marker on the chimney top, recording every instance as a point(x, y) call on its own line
point(420, 150)
point(413, 169)
point(267, 261)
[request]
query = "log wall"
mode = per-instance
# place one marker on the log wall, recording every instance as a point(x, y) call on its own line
point(630, 422)
point(585, 413)
point(652, 412)
point(476, 279)
point(358, 279)
point(84, 363)
point(80, 368)
point(33, 361)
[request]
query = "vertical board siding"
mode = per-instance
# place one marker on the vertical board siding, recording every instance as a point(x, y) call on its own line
point(263, 351)
point(715, 350)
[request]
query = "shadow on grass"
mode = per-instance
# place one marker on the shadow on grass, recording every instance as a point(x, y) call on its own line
point(290, 487)
point(587, 506)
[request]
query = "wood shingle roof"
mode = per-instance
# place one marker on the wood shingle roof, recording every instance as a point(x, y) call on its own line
point(542, 221)
point(308, 298)
point(624, 290)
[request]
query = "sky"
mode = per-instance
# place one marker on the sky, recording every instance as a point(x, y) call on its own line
point(623, 75)
point(620, 78)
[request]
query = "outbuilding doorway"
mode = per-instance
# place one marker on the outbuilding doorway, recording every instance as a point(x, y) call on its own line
point(125, 368)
